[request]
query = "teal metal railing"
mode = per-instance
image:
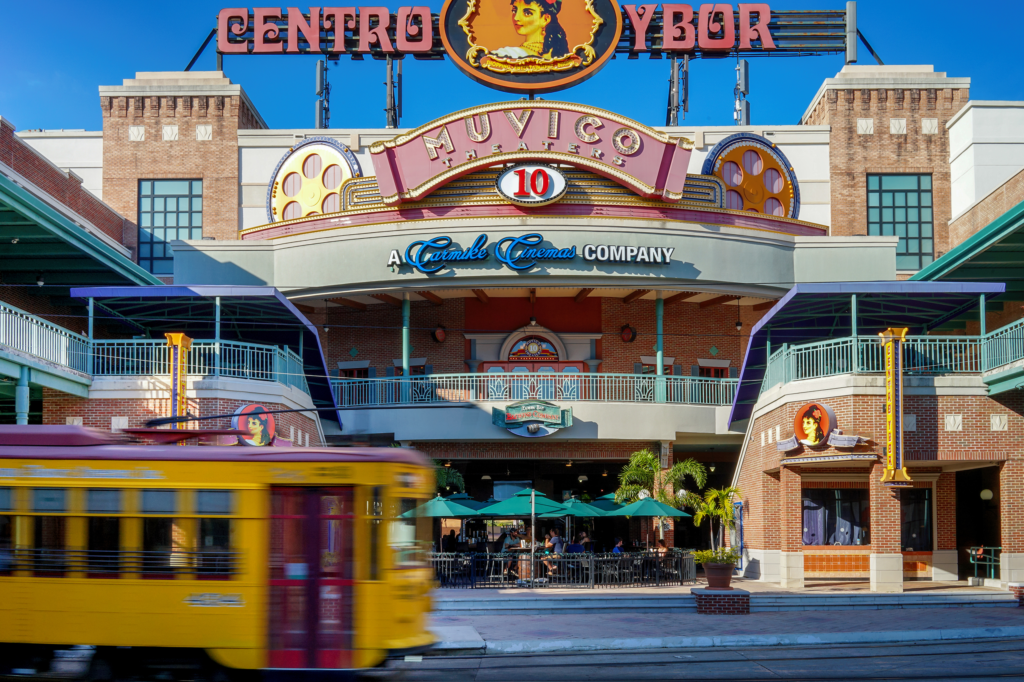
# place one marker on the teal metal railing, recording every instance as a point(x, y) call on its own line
point(120, 357)
point(38, 338)
point(506, 387)
point(988, 558)
point(922, 355)
point(1004, 346)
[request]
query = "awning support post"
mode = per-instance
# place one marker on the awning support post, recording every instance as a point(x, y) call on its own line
point(216, 336)
point(853, 331)
point(21, 397)
point(982, 330)
point(659, 382)
point(405, 347)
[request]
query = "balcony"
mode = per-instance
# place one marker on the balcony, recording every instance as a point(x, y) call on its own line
point(440, 389)
point(998, 357)
point(59, 350)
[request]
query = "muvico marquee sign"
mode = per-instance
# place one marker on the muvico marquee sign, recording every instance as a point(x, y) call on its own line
point(519, 253)
point(647, 161)
point(531, 45)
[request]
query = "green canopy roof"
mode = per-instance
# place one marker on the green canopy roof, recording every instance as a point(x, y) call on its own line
point(519, 505)
point(606, 503)
point(439, 508)
point(647, 507)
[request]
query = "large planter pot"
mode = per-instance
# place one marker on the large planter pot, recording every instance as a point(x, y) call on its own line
point(719, 575)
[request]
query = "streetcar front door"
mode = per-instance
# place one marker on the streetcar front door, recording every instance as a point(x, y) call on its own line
point(311, 571)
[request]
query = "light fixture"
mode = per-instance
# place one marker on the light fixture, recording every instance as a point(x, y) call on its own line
point(439, 334)
point(569, 463)
point(712, 468)
point(39, 280)
point(582, 478)
point(485, 477)
point(604, 473)
point(628, 334)
point(448, 463)
point(739, 326)
point(987, 494)
point(739, 322)
point(325, 329)
point(14, 241)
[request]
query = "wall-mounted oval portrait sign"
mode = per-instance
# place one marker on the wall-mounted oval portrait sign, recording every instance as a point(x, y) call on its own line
point(813, 423)
point(532, 184)
point(530, 45)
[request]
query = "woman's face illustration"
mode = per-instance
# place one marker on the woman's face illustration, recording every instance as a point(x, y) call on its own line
point(528, 19)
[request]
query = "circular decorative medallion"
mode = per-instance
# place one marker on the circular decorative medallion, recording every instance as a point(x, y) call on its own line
point(309, 179)
point(758, 177)
point(258, 422)
point(530, 45)
point(532, 184)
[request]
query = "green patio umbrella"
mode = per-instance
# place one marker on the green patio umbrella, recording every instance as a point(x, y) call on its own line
point(519, 505)
point(467, 501)
point(577, 508)
point(440, 508)
point(647, 507)
point(606, 503)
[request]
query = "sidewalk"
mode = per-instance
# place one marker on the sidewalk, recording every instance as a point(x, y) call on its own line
point(608, 632)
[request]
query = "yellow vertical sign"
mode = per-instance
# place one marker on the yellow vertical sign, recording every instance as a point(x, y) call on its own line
point(895, 473)
point(177, 347)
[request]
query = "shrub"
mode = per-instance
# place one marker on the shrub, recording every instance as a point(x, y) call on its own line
point(721, 555)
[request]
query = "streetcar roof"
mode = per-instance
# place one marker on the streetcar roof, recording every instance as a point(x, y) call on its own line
point(76, 442)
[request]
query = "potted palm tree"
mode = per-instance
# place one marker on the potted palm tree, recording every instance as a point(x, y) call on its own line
point(644, 477)
point(719, 562)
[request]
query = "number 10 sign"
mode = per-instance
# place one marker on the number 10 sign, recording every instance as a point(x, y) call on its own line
point(532, 185)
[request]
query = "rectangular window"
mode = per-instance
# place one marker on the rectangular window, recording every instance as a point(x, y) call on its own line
point(409, 537)
point(213, 502)
point(48, 500)
point(49, 533)
point(901, 206)
point(360, 373)
point(916, 520)
point(653, 369)
point(168, 210)
point(374, 512)
point(714, 372)
point(6, 545)
point(414, 371)
point(161, 536)
point(836, 516)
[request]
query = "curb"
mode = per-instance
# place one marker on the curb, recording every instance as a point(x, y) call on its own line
point(640, 643)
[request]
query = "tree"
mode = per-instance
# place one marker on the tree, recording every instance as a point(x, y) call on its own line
point(448, 478)
point(717, 504)
point(644, 473)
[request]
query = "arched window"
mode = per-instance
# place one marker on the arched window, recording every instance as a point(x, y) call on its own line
point(533, 348)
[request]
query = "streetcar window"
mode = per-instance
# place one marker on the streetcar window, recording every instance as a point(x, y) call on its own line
point(214, 559)
point(157, 545)
point(158, 502)
point(6, 555)
point(5, 499)
point(48, 500)
point(104, 543)
point(409, 536)
point(213, 502)
point(375, 511)
point(48, 537)
point(103, 500)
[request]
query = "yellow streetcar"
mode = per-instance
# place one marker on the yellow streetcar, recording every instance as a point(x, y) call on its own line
point(203, 560)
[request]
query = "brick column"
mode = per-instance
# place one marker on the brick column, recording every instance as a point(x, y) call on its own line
point(944, 558)
point(886, 557)
point(791, 526)
point(769, 527)
point(1011, 521)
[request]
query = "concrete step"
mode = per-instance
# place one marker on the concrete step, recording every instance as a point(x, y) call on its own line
point(563, 604)
point(857, 601)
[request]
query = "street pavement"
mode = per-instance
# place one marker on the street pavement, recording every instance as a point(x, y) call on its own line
point(965, 660)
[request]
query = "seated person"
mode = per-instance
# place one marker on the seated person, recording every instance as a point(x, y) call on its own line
point(661, 548)
point(576, 547)
point(556, 546)
point(618, 548)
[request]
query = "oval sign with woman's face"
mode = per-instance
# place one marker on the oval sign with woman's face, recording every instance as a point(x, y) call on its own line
point(813, 423)
point(530, 45)
point(258, 422)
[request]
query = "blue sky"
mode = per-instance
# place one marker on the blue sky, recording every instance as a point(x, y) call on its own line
point(56, 55)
